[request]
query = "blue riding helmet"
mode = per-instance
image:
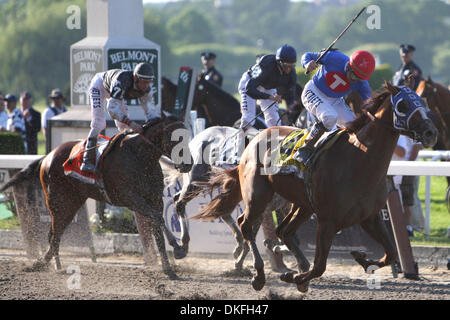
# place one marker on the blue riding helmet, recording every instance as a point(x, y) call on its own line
point(287, 54)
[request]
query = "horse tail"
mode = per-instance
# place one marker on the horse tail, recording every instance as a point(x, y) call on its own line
point(228, 198)
point(27, 173)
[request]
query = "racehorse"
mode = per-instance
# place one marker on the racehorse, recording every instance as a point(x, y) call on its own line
point(344, 186)
point(438, 99)
point(205, 149)
point(168, 94)
point(132, 178)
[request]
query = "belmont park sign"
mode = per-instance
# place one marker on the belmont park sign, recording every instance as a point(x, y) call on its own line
point(127, 59)
point(87, 62)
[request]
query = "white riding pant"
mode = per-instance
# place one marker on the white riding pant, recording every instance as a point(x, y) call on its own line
point(248, 105)
point(97, 99)
point(330, 111)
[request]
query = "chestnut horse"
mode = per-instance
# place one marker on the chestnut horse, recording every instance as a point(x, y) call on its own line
point(132, 178)
point(345, 185)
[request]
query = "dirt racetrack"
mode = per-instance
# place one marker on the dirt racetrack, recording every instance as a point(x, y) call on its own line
point(124, 277)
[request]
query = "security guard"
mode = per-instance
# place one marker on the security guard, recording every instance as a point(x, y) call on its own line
point(408, 67)
point(209, 72)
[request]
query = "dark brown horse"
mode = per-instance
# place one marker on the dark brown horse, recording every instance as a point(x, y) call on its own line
point(132, 178)
point(437, 98)
point(346, 185)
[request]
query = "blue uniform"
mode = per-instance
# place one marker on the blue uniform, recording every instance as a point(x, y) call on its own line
point(331, 78)
point(268, 75)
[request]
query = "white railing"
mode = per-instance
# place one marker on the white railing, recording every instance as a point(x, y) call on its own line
point(404, 168)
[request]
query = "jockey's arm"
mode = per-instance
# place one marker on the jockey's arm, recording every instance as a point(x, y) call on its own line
point(114, 109)
point(364, 90)
point(253, 92)
point(150, 110)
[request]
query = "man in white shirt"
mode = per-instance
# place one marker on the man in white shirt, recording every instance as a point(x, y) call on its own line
point(56, 107)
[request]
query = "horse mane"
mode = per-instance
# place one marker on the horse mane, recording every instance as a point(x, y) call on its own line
point(363, 118)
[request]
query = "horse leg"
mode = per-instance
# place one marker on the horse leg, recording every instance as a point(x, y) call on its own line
point(256, 197)
point(143, 224)
point(375, 227)
point(286, 231)
point(275, 258)
point(181, 200)
point(61, 215)
point(242, 248)
point(324, 238)
point(140, 205)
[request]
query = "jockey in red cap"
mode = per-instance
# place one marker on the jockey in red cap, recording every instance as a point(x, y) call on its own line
point(323, 96)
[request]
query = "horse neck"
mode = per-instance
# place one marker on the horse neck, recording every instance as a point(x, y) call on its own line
point(443, 98)
point(221, 106)
point(379, 137)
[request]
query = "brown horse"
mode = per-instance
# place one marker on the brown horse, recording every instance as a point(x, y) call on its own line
point(438, 99)
point(132, 178)
point(346, 185)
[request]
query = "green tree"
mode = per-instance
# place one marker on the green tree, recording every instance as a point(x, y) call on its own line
point(188, 27)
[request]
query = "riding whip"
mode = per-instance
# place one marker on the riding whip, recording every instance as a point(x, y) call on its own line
point(339, 36)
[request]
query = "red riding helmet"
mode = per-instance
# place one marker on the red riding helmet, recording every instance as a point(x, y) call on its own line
point(362, 63)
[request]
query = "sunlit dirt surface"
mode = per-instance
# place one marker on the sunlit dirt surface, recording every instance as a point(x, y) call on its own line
point(124, 277)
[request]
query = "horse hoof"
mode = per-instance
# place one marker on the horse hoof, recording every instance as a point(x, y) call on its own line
point(258, 283)
point(179, 253)
point(303, 287)
point(358, 255)
point(172, 275)
point(288, 277)
point(38, 266)
point(185, 248)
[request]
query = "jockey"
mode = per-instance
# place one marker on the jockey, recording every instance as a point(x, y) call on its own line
point(261, 82)
point(112, 88)
point(323, 96)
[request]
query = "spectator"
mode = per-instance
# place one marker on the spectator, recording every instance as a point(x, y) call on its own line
point(408, 150)
point(3, 114)
point(408, 67)
point(209, 72)
point(56, 107)
point(15, 119)
point(32, 120)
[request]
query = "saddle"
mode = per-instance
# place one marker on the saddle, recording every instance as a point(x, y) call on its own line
point(295, 140)
point(72, 165)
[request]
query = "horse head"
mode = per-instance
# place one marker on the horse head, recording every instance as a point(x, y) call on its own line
point(165, 133)
point(410, 114)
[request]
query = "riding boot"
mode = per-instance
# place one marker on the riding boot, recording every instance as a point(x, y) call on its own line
point(90, 156)
point(304, 153)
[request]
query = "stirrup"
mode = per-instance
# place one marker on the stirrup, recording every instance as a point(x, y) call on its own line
point(87, 167)
point(303, 155)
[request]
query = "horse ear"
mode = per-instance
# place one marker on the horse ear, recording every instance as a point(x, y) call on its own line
point(410, 82)
point(389, 86)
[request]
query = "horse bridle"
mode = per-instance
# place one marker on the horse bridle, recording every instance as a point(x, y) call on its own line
point(410, 133)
